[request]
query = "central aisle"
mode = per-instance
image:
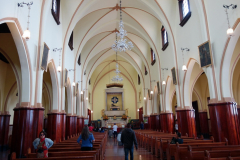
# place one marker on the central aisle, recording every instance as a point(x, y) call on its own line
point(115, 152)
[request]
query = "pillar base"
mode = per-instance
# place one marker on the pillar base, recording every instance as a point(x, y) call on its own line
point(224, 122)
point(204, 128)
point(27, 124)
point(4, 128)
point(153, 122)
point(186, 122)
point(167, 122)
point(71, 126)
point(56, 126)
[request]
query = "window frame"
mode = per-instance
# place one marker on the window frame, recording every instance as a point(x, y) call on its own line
point(146, 72)
point(139, 80)
point(183, 20)
point(70, 42)
point(164, 45)
point(79, 60)
point(153, 57)
point(56, 15)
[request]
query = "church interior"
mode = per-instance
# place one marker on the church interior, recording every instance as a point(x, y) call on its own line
point(65, 64)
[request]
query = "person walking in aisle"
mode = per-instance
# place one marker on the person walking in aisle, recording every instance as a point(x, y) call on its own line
point(128, 138)
point(115, 130)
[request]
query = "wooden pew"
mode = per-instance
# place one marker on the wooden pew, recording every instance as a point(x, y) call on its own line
point(182, 152)
point(199, 153)
point(214, 155)
point(69, 153)
point(172, 148)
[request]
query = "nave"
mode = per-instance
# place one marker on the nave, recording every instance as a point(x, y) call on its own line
point(115, 152)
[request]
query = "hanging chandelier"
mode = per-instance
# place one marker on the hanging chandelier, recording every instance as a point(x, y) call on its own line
point(122, 45)
point(117, 71)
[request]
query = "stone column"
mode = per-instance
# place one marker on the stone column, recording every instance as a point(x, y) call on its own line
point(27, 124)
point(186, 122)
point(4, 128)
point(167, 122)
point(224, 122)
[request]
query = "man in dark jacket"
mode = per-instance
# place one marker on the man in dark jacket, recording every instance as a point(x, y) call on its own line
point(128, 138)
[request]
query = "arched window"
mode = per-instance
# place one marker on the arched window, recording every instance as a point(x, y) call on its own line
point(139, 80)
point(153, 58)
point(79, 60)
point(146, 72)
point(70, 42)
point(164, 38)
point(184, 10)
point(56, 10)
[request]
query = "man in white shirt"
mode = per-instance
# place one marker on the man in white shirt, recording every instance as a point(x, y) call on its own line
point(176, 127)
point(114, 130)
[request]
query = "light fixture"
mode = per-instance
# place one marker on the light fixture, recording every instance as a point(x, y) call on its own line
point(117, 71)
point(26, 33)
point(73, 84)
point(81, 92)
point(151, 86)
point(55, 50)
point(184, 67)
point(122, 45)
point(86, 98)
point(229, 30)
point(163, 82)
point(138, 110)
point(144, 98)
point(91, 111)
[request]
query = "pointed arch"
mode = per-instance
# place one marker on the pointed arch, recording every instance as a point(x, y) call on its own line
point(24, 58)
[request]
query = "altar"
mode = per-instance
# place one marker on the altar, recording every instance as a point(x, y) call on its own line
point(114, 109)
point(121, 123)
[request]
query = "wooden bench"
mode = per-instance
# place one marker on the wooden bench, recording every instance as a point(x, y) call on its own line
point(214, 155)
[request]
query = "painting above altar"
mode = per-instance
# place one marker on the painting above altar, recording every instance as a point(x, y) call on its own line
point(114, 102)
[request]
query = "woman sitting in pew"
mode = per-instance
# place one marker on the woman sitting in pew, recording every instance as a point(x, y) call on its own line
point(42, 144)
point(179, 139)
point(87, 139)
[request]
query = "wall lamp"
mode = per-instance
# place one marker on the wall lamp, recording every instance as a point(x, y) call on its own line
point(233, 6)
point(73, 84)
point(163, 82)
point(151, 86)
point(144, 96)
point(26, 33)
point(55, 50)
point(184, 67)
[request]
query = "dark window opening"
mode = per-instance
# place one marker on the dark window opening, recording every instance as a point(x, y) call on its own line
point(79, 60)
point(146, 72)
point(153, 58)
point(164, 38)
point(70, 43)
point(56, 10)
point(184, 11)
point(139, 80)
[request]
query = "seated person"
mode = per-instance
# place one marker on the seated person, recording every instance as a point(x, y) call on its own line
point(102, 130)
point(179, 140)
point(96, 129)
point(90, 127)
point(173, 141)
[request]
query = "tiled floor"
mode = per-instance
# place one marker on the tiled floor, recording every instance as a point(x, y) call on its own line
point(115, 152)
